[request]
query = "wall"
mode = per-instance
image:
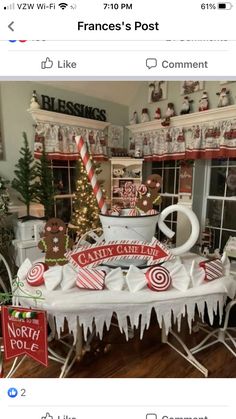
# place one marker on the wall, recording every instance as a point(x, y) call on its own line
point(14, 102)
point(173, 95)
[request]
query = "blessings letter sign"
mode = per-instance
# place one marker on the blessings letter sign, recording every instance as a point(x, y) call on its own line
point(25, 333)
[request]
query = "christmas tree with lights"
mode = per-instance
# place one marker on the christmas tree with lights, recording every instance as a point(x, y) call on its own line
point(85, 215)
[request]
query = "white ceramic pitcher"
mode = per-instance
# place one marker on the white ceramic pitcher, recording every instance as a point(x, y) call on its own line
point(143, 227)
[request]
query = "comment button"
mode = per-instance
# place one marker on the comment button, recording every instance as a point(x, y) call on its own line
point(151, 63)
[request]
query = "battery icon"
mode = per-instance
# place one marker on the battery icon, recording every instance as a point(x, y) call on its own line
point(226, 6)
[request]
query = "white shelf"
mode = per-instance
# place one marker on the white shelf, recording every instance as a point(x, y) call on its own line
point(125, 161)
point(195, 118)
point(126, 178)
point(42, 116)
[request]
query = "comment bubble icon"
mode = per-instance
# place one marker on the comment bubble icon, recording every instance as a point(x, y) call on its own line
point(151, 63)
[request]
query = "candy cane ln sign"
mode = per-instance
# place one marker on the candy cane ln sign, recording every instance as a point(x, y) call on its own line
point(93, 255)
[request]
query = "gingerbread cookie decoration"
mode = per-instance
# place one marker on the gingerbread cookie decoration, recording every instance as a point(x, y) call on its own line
point(55, 242)
point(148, 194)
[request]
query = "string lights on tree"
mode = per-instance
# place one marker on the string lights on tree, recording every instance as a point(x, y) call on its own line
point(85, 215)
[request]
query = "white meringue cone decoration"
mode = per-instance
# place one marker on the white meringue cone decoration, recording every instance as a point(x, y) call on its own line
point(53, 277)
point(197, 274)
point(69, 276)
point(179, 275)
point(114, 280)
point(226, 264)
point(135, 279)
point(24, 269)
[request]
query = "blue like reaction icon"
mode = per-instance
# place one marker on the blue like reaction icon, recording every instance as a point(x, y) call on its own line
point(12, 392)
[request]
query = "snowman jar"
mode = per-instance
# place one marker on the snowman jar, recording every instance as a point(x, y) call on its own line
point(204, 102)
point(34, 104)
point(223, 97)
point(145, 115)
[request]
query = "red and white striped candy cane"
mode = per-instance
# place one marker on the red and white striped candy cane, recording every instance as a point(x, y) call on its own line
point(82, 147)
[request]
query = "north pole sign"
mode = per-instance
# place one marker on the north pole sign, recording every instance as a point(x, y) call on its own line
point(25, 333)
point(93, 255)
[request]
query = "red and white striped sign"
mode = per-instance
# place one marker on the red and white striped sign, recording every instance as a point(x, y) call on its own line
point(90, 279)
point(213, 269)
point(93, 255)
point(158, 278)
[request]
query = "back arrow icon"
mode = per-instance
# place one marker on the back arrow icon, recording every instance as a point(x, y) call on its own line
point(10, 26)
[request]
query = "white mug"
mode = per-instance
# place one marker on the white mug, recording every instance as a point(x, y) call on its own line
point(143, 227)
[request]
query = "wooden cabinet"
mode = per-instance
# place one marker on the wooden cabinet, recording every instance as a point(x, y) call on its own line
point(124, 169)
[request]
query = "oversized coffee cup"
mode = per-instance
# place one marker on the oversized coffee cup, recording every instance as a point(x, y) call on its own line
point(143, 228)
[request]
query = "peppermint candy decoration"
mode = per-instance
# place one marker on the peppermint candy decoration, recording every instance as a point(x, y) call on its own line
point(133, 202)
point(213, 269)
point(152, 212)
point(115, 210)
point(158, 278)
point(125, 194)
point(35, 274)
point(142, 190)
point(134, 212)
point(91, 279)
point(129, 187)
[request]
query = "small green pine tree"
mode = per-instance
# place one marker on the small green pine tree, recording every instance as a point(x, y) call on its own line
point(44, 186)
point(26, 174)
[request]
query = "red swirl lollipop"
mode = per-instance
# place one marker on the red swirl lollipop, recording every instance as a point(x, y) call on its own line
point(35, 274)
point(158, 278)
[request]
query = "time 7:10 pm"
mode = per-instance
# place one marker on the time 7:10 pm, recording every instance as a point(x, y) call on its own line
point(116, 6)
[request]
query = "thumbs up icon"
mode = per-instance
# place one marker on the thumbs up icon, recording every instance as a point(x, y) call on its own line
point(47, 63)
point(12, 392)
point(48, 416)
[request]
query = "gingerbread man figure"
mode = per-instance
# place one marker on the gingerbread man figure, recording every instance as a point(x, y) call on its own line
point(148, 194)
point(55, 242)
